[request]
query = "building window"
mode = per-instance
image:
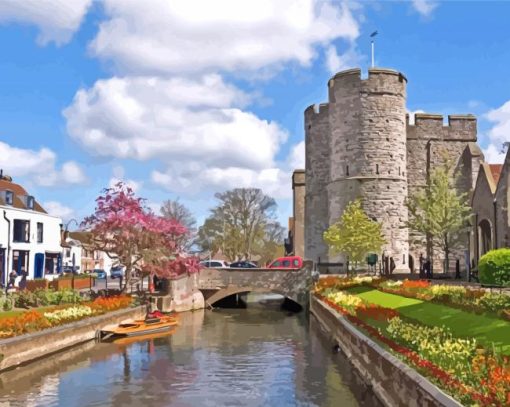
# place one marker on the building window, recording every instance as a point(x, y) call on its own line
point(21, 231)
point(347, 170)
point(377, 168)
point(9, 197)
point(30, 202)
point(40, 232)
point(68, 253)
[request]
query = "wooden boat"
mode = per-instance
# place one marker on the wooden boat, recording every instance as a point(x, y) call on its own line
point(141, 327)
point(127, 340)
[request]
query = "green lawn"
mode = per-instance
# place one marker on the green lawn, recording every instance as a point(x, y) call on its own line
point(485, 329)
point(18, 311)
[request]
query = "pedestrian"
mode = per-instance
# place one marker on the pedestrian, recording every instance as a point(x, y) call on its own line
point(12, 279)
point(23, 281)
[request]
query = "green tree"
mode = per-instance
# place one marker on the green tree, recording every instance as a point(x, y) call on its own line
point(439, 211)
point(355, 235)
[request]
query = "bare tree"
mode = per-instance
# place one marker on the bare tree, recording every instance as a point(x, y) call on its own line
point(174, 210)
point(240, 223)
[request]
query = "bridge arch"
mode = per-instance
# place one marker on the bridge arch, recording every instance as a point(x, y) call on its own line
point(228, 291)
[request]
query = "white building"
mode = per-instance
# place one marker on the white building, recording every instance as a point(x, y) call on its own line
point(29, 237)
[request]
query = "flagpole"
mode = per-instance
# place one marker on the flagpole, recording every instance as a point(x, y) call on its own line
point(372, 53)
point(373, 47)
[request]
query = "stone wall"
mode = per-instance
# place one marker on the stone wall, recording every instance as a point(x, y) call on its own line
point(182, 294)
point(299, 189)
point(368, 152)
point(428, 141)
point(395, 383)
point(317, 163)
point(503, 202)
point(29, 347)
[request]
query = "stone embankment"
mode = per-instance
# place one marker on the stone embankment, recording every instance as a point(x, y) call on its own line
point(27, 348)
point(394, 383)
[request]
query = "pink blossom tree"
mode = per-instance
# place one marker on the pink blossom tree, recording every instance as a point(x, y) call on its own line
point(136, 238)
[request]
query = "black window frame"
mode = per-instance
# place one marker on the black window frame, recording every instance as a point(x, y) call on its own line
point(40, 232)
point(25, 231)
point(9, 198)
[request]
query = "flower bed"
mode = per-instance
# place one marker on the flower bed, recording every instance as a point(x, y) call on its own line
point(471, 300)
point(461, 366)
point(33, 320)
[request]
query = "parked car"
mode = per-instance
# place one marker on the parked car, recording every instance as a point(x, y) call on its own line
point(289, 262)
point(214, 263)
point(97, 273)
point(117, 272)
point(244, 264)
point(69, 269)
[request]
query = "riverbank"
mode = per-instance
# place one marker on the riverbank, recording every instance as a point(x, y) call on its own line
point(391, 380)
point(27, 348)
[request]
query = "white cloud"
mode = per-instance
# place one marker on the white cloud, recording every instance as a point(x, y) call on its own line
point(499, 133)
point(39, 166)
point(196, 35)
point(119, 176)
point(55, 208)
point(175, 120)
point(412, 114)
point(493, 154)
point(424, 7)
point(349, 59)
point(57, 20)
point(296, 158)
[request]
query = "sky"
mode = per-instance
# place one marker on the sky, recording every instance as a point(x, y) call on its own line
point(183, 99)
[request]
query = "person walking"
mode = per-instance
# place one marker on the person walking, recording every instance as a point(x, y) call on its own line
point(12, 280)
point(23, 281)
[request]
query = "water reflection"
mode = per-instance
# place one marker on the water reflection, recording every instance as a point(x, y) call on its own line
point(257, 356)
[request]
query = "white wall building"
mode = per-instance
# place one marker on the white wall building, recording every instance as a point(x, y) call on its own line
point(29, 237)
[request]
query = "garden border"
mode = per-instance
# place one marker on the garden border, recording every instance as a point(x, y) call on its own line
point(27, 348)
point(395, 383)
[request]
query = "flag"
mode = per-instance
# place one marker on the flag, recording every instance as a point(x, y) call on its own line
point(373, 34)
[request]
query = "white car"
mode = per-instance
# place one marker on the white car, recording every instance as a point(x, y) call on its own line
point(214, 263)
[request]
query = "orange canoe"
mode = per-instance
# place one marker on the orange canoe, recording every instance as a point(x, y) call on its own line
point(142, 327)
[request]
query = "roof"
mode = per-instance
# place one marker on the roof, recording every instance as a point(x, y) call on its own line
point(18, 191)
point(83, 237)
point(496, 171)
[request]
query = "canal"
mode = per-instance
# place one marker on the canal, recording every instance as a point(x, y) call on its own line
point(258, 356)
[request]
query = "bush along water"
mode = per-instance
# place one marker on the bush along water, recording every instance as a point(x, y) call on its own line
point(494, 268)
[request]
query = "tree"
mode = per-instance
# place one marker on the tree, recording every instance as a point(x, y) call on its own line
point(439, 211)
point(174, 210)
point(240, 224)
point(355, 235)
point(136, 238)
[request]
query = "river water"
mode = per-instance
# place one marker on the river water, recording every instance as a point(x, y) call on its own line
point(258, 356)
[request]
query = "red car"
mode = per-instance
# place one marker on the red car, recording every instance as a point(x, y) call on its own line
point(289, 262)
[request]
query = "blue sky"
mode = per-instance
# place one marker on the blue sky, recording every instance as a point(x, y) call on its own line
point(201, 96)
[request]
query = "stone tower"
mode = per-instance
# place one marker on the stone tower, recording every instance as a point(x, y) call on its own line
point(358, 151)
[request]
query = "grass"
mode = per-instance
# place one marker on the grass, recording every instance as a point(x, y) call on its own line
point(487, 330)
point(19, 311)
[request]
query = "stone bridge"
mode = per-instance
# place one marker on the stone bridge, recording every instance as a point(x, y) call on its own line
point(295, 285)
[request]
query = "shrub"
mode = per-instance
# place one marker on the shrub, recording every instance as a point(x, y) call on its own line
point(494, 268)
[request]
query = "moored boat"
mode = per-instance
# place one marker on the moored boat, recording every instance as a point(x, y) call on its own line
point(141, 327)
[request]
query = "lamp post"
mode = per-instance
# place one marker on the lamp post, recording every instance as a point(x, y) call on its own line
point(66, 234)
point(468, 262)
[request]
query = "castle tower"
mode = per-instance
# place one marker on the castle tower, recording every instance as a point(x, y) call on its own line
point(317, 158)
point(367, 147)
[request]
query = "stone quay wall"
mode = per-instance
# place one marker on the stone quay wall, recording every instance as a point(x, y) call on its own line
point(394, 383)
point(30, 347)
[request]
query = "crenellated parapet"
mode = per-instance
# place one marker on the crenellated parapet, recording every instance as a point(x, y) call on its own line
point(431, 126)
